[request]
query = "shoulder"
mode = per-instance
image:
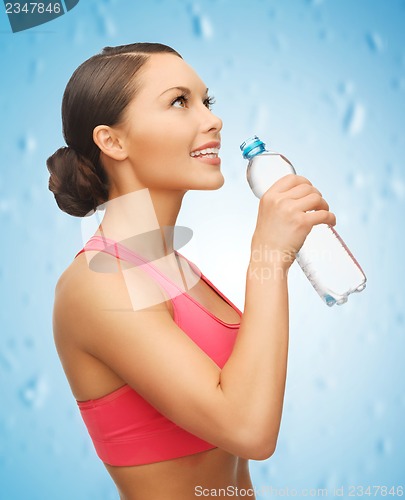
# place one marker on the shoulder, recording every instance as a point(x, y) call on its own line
point(84, 283)
point(87, 289)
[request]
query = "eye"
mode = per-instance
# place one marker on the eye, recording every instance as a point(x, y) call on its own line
point(209, 101)
point(180, 101)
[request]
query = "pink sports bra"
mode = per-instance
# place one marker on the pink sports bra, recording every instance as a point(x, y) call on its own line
point(125, 429)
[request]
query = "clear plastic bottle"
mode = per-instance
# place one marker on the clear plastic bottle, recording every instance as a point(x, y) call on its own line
point(325, 259)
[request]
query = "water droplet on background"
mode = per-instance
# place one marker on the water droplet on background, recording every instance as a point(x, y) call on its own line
point(392, 186)
point(398, 83)
point(279, 42)
point(5, 206)
point(77, 33)
point(326, 35)
point(87, 449)
point(346, 88)
point(7, 360)
point(271, 13)
point(110, 494)
point(353, 122)
point(34, 393)
point(201, 24)
point(398, 188)
point(400, 317)
point(332, 481)
point(320, 383)
point(375, 42)
point(105, 23)
point(357, 179)
point(260, 118)
point(29, 342)
point(384, 446)
point(35, 69)
point(25, 300)
point(325, 383)
point(378, 409)
point(27, 144)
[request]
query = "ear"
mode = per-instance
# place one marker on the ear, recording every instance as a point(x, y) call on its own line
point(109, 142)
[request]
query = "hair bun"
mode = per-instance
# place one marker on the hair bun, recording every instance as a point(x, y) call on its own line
point(75, 182)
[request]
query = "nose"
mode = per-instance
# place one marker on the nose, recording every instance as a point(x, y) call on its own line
point(211, 123)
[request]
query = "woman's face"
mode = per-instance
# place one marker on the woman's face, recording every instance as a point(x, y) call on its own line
point(167, 126)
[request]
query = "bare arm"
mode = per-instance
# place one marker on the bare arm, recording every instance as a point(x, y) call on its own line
point(253, 379)
point(239, 407)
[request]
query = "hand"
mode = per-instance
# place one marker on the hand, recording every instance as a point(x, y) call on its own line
point(287, 212)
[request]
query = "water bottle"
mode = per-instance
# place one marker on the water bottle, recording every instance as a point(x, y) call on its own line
point(325, 259)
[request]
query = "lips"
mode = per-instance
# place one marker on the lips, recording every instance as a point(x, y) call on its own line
point(208, 153)
point(209, 150)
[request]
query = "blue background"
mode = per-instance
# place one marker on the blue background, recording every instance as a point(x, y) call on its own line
point(321, 81)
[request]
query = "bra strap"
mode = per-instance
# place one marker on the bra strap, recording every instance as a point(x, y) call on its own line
point(116, 249)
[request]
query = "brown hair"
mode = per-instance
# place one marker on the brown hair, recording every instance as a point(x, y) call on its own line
point(97, 94)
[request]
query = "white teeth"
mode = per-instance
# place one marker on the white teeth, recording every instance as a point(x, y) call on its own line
point(207, 151)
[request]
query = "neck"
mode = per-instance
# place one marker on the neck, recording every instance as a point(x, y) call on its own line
point(143, 220)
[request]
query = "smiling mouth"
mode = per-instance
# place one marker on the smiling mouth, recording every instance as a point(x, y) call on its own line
point(205, 153)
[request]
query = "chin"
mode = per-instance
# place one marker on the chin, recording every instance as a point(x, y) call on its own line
point(215, 182)
point(221, 182)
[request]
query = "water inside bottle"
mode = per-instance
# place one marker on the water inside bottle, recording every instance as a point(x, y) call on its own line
point(330, 266)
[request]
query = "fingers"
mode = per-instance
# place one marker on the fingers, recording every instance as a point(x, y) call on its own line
point(288, 182)
point(297, 194)
point(300, 191)
point(321, 217)
point(312, 201)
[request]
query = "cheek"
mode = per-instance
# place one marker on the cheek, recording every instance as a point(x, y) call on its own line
point(160, 160)
point(160, 143)
point(162, 137)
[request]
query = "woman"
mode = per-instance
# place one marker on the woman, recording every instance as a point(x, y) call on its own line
point(177, 389)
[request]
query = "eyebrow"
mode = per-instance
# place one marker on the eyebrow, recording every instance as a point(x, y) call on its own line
point(182, 89)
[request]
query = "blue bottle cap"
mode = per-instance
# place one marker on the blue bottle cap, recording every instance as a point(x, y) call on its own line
point(252, 147)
